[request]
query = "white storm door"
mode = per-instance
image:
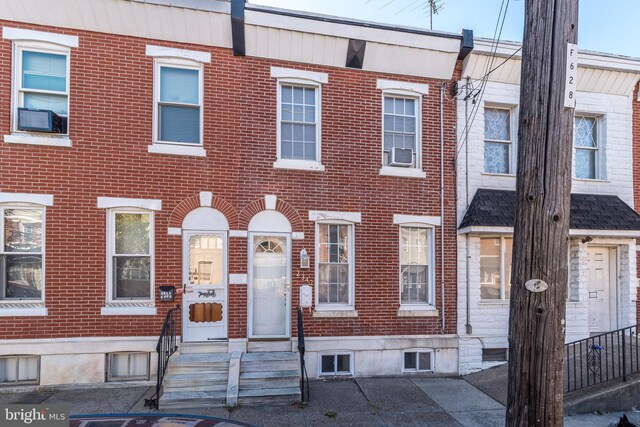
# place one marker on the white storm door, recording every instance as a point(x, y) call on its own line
point(270, 299)
point(599, 289)
point(204, 303)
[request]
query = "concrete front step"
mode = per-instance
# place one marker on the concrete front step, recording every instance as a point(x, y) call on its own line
point(199, 363)
point(193, 399)
point(264, 396)
point(197, 381)
point(204, 347)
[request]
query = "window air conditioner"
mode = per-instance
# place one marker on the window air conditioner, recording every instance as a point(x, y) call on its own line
point(401, 157)
point(41, 121)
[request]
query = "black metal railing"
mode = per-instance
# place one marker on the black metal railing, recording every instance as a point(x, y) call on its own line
point(601, 358)
point(167, 345)
point(304, 378)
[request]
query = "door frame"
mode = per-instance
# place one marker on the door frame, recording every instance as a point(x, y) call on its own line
point(225, 278)
point(250, 246)
point(614, 284)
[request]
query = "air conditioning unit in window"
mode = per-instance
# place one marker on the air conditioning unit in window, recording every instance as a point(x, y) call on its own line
point(401, 157)
point(41, 121)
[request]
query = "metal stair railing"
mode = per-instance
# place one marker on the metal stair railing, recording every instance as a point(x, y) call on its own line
point(601, 358)
point(304, 378)
point(166, 346)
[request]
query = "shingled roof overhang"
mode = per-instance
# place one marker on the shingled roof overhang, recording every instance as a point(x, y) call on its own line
point(591, 214)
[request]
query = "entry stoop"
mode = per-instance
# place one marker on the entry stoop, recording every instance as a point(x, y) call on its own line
point(269, 378)
point(196, 380)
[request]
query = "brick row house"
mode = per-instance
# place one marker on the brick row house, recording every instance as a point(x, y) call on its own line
point(602, 286)
point(253, 161)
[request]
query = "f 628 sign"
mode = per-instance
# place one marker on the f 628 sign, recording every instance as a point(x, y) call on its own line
point(571, 83)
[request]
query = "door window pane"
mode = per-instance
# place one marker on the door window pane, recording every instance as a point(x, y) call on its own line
point(206, 260)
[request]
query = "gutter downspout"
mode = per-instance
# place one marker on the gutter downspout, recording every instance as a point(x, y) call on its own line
point(468, 327)
point(442, 88)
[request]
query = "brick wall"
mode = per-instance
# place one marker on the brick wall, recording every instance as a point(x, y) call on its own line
point(111, 128)
point(636, 176)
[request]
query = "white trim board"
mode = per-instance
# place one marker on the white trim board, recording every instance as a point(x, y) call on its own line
point(38, 199)
point(40, 36)
point(399, 219)
point(332, 215)
point(120, 202)
point(170, 52)
point(292, 73)
point(393, 85)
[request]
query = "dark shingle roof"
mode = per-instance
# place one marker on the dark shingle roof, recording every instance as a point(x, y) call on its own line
point(497, 208)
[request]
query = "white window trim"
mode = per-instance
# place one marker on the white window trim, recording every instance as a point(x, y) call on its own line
point(336, 373)
point(419, 309)
point(18, 383)
point(120, 202)
point(30, 137)
point(598, 149)
point(503, 277)
point(26, 307)
point(416, 220)
point(111, 378)
point(159, 62)
point(355, 217)
point(336, 307)
point(41, 36)
point(414, 91)
point(418, 351)
point(169, 52)
point(126, 306)
point(36, 199)
point(513, 149)
point(290, 76)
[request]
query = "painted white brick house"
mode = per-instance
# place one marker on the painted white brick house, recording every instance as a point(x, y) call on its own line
point(602, 249)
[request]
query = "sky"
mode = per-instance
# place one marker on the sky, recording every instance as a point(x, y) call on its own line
point(603, 26)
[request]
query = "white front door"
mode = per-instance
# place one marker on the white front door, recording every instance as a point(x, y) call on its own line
point(270, 279)
point(601, 286)
point(204, 303)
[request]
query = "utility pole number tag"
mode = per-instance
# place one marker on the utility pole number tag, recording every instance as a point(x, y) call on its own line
point(571, 76)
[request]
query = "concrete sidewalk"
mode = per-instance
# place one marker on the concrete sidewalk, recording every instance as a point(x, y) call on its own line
point(397, 401)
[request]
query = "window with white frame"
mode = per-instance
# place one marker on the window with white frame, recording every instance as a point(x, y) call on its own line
point(336, 364)
point(497, 140)
point(19, 370)
point(299, 116)
point(495, 267)
point(335, 264)
point(130, 258)
point(418, 361)
point(586, 145)
point(401, 138)
point(127, 366)
point(416, 266)
point(178, 102)
point(21, 253)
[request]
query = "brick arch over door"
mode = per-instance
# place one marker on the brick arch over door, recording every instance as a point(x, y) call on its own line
point(187, 205)
point(257, 206)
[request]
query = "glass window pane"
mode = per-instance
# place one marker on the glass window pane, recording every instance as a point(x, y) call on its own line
point(490, 268)
point(41, 101)
point(343, 363)
point(28, 369)
point(132, 277)
point(298, 132)
point(309, 151)
point(585, 164)
point(388, 123)
point(310, 133)
point(424, 361)
point(399, 106)
point(138, 364)
point(398, 124)
point(287, 94)
point(23, 230)
point(298, 150)
point(410, 107)
point(388, 141)
point(410, 360)
point(328, 364)
point(287, 149)
point(585, 132)
point(310, 114)
point(8, 369)
point(179, 85)
point(508, 252)
point(286, 132)
point(23, 276)
point(179, 124)
point(287, 112)
point(44, 71)
point(409, 142)
point(132, 233)
point(310, 96)
point(410, 125)
point(298, 95)
point(119, 365)
point(497, 124)
point(496, 157)
point(388, 105)
point(205, 260)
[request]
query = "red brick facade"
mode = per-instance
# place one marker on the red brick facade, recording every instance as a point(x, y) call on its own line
point(111, 128)
point(636, 174)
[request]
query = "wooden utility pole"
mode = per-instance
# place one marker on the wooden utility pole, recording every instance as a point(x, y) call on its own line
point(539, 267)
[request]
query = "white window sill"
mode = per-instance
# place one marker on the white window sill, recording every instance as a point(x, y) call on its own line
point(592, 180)
point(495, 302)
point(418, 311)
point(402, 172)
point(53, 140)
point(505, 175)
point(128, 311)
point(305, 165)
point(177, 150)
point(15, 310)
point(335, 313)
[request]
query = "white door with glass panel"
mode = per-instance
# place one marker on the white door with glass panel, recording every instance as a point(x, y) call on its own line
point(204, 303)
point(601, 290)
point(270, 300)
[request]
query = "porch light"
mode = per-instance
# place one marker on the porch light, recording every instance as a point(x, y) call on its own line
point(304, 259)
